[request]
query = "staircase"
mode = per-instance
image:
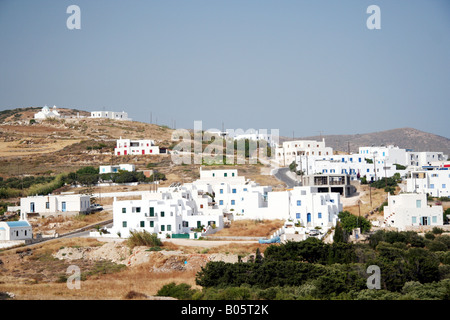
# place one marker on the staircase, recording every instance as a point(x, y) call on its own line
point(388, 217)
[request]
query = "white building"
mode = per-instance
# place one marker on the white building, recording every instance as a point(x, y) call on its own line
point(135, 147)
point(110, 115)
point(254, 135)
point(116, 168)
point(389, 154)
point(403, 157)
point(423, 159)
point(408, 210)
point(313, 209)
point(289, 150)
point(354, 165)
point(56, 204)
point(46, 113)
point(219, 195)
point(435, 182)
point(15, 230)
point(163, 216)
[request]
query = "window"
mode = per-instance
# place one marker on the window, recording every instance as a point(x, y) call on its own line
point(319, 215)
point(299, 203)
point(201, 206)
point(124, 224)
point(152, 211)
point(418, 203)
point(162, 214)
point(152, 224)
point(221, 191)
point(431, 186)
point(124, 210)
point(233, 190)
point(225, 174)
point(169, 227)
point(63, 206)
point(232, 202)
point(297, 215)
point(214, 174)
point(232, 174)
point(185, 224)
point(221, 202)
point(47, 205)
point(444, 186)
point(163, 227)
point(434, 219)
point(142, 224)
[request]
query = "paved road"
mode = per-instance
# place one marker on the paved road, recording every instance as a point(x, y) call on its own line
point(281, 174)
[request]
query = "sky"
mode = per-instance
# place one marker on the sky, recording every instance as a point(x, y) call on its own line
point(303, 67)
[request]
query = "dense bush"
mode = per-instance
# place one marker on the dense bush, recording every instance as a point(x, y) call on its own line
point(411, 268)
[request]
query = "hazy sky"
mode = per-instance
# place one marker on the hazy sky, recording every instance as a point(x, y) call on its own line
point(302, 66)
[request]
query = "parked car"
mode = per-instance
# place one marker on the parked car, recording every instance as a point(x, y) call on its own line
point(96, 207)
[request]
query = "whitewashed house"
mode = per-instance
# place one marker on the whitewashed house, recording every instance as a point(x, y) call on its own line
point(354, 165)
point(135, 147)
point(255, 135)
point(220, 195)
point(46, 113)
point(15, 230)
point(110, 115)
point(409, 210)
point(425, 158)
point(117, 168)
point(55, 205)
point(435, 182)
point(166, 216)
point(287, 153)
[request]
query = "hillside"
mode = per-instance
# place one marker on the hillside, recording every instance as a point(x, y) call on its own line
point(65, 145)
point(407, 138)
point(61, 145)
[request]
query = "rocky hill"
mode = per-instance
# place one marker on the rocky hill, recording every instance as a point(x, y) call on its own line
point(407, 138)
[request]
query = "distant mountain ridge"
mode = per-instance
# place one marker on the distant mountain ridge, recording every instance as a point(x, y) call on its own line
point(405, 138)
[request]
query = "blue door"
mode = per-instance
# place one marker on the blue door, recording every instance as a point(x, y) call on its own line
point(32, 207)
point(63, 206)
point(308, 217)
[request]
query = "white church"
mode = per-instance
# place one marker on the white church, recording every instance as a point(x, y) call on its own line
point(46, 113)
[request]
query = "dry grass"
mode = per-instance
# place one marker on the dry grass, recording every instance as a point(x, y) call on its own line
point(62, 224)
point(378, 197)
point(250, 228)
point(18, 275)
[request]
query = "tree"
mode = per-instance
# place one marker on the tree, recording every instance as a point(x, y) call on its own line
point(350, 222)
point(339, 235)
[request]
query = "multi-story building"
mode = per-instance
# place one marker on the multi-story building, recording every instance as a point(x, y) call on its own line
point(135, 147)
point(435, 182)
point(330, 183)
point(423, 159)
point(354, 165)
point(289, 150)
point(409, 210)
point(219, 195)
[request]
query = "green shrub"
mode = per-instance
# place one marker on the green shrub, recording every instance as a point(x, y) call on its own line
point(181, 291)
point(143, 238)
